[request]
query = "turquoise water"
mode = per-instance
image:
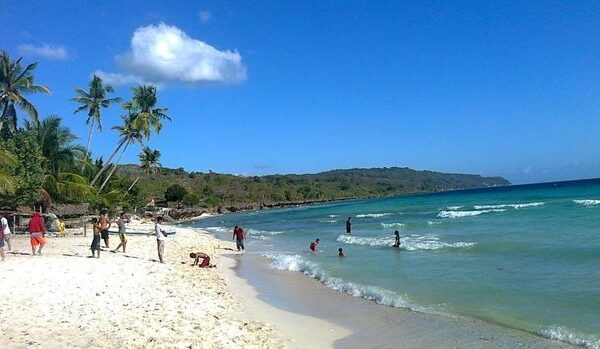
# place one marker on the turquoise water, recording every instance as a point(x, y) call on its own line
point(525, 257)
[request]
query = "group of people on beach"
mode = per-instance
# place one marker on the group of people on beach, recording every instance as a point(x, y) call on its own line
point(100, 226)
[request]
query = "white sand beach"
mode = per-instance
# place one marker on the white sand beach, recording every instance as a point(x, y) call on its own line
point(65, 299)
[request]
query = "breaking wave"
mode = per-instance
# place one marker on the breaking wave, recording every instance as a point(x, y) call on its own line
point(454, 208)
point(459, 214)
point(392, 225)
point(561, 334)
point(587, 202)
point(410, 243)
point(374, 293)
point(372, 215)
point(515, 206)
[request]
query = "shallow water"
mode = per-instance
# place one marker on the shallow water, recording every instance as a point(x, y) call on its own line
point(525, 257)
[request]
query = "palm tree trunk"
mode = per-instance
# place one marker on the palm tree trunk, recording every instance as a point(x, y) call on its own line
point(107, 164)
point(114, 168)
point(132, 184)
point(4, 113)
point(89, 142)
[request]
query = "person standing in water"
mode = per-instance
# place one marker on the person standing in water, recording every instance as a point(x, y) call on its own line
point(349, 226)
point(341, 252)
point(396, 239)
point(314, 244)
point(239, 236)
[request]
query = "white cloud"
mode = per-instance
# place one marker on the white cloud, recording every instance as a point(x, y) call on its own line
point(165, 54)
point(119, 79)
point(205, 16)
point(51, 52)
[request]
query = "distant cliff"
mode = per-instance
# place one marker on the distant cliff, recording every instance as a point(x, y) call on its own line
point(230, 192)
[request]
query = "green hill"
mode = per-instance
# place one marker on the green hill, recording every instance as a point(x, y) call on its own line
point(212, 190)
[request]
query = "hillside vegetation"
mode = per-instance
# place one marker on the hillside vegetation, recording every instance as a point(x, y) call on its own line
point(212, 190)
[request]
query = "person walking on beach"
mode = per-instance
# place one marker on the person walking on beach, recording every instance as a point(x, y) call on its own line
point(239, 235)
point(104, 225)
point(160, 238)
point(313, 245)
point(6, 230)
point(396, 239)
point(37, 230)
point(95, 247)
point(121, 224)
point(349, 226)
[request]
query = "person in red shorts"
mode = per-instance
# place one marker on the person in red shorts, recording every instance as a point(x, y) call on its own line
point(37, 230)
point(205, 260)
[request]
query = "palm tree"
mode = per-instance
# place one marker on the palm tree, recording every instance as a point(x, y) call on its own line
point(149, 163)
point(61, 157)
point(143, 118)
point(146, 116)
point(14, 83)
point(93, 101)
point(128, 135)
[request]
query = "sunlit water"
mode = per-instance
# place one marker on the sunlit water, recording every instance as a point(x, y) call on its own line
point(526, 257)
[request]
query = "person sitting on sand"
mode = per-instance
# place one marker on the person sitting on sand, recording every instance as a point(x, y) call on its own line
point(341, 252)
point(205, 260)
point(95, 247)
point(314, 244)
point(397, 239)
point(37, 230)
point(121, 224)
point(160, 238)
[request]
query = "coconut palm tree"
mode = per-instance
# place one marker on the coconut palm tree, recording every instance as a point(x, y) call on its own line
point(146, 116)
point(61, 159)
point(93, 101)
point(128, 135)
point(143, 117)
point(149, 163)
point(14, 83)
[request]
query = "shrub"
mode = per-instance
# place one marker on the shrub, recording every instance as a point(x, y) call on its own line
point(175, 192)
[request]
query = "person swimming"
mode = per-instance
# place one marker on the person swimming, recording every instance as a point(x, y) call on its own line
point(397, 239)
point(341, 252)
point(313, 245)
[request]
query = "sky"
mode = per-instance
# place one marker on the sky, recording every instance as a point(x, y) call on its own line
point(262, 87)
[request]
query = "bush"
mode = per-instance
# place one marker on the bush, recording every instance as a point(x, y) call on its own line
point(191, 199)
point(175, 192)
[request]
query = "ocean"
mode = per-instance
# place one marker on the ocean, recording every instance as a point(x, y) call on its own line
point(524, 257)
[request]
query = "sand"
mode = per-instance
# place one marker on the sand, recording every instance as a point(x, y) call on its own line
point(66, 299)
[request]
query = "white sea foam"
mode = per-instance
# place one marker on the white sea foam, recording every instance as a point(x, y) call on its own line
point(392, 225)
point(372, 215)
point(434, 222)
point(410, 243)
point(220, 229)
point(332, 215)
point(454, 208)
point(561, 334)
point(254, 232)
point(459, 214)
point(259, 234)
point(587, 202)
point(515, 206)
point(375, 293)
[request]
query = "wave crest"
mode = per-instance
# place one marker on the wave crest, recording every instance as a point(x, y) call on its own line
point(372, 215)
point(587, 202)
point(515, 206)
point(561, 334)
point(410, 243)
point(459, 214)
point(392, 225)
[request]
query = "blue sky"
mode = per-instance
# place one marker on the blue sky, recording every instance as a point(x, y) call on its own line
point(488, 87)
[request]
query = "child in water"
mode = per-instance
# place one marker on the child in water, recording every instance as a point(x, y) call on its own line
point(397, 239)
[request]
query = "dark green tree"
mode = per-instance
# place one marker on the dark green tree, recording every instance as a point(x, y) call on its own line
point(175, 192)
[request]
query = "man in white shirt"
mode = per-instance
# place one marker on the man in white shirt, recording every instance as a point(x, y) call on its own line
point(4, 226)
point(160, 238)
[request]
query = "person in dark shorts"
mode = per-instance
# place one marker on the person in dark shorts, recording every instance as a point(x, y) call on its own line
point(205, 260)
point(121, 224)
point(313, 245)
point(95, 247)
point(239, 235)
point(349, 226)
point(396, 239)
point(104, 225)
